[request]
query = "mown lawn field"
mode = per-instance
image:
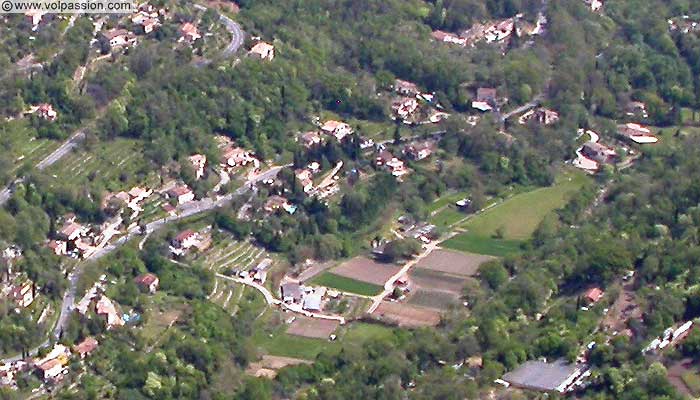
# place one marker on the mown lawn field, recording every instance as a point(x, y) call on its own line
point(472, 243)
point(446, 200)
point(447, 217)
point(283, 344)
point(344, 284)
point(516, 218)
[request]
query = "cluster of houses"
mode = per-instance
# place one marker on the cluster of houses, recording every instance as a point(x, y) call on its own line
point(43, 111)
point(53, 366)
point(410, 106)
point(670, 336)
point(542, 115)
point(684, 25)
point(414, 151)
point(593, 153)
point(14, 285)
point(303, 297)
point(148, 18)
point(256, 274)
point(189, 239)
point(78, 241)
point(492, 32)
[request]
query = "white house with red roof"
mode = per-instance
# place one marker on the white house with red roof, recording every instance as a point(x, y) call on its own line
point(189, 32)
point(182, 194)
point(148, 282)
point(263, 50)
point(637, 133)
point(337, 129)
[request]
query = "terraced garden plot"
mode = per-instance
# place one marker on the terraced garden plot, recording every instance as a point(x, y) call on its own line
point(17, 139)
point(106, 162)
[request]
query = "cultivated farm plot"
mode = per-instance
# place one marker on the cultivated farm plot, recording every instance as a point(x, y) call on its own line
point(405, 315)
point(231, 254)
point(438, 281)
point(312, 327)
point(434, 299)
point(366, 270)
point(452, 262)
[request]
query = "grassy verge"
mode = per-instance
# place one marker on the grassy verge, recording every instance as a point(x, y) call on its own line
point(447, 217)
point(446, 200)
point(344, 284)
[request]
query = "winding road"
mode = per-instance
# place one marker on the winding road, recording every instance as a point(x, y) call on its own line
point(237, 35)
point(186, 210)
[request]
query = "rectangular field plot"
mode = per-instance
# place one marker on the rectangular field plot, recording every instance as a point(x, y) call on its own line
point(434, 299)
point(345, 284)
point(452, 262)
point(312, 327)
point(438, 281)
point(405, 315)
point(366, 270)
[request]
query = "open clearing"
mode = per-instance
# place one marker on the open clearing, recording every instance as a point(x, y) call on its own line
point(453, 262)
point(269, 365)
point(405, 315)
point(312, 327)
point(684, 377)
point(366, 270)
point(345, 284)
point(519, 216)
point(280, 343)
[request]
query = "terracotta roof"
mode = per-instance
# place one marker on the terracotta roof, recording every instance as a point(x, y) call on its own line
point(184, 235)
point(86, 346)
point(146, 279)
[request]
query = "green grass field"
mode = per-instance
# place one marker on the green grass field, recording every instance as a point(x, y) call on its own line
point(516, 218)
point(472, 243)
point(282, 344)
point(520, 215)
point(344, 284)
point(447, 217)
point(446, 200)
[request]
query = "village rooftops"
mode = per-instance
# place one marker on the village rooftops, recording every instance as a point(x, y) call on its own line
point(189, 32)
point(114, 33)
point(406, 88)
point(637, 133)
point(291, 292)
point(550, 377)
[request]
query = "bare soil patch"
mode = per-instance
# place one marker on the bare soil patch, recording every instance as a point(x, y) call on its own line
point(434, 299)
point(269, 365)
point(453, 262)
point(623, 310)
point(406, 315)
point(367, 270)
point(224, 5)
point(434, 280)
point(312, 327)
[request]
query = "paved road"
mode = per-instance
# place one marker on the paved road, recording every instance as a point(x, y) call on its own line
point(185, 211)
point(237, 35)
